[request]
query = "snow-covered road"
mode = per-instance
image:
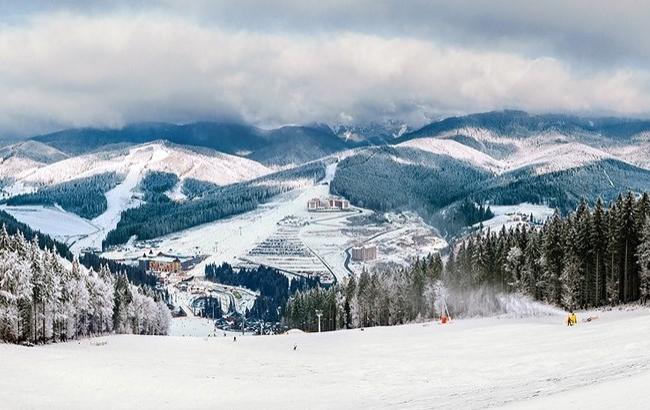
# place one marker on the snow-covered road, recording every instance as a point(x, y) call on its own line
point(480, 363)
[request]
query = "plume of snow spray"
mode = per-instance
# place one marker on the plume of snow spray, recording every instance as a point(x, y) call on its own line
point(485, 301)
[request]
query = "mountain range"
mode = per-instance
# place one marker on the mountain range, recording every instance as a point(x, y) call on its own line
point(502, 157)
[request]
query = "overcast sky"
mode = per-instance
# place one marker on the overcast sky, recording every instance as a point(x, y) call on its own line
point(101, 63)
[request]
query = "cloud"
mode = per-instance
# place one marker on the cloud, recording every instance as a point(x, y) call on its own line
point(108, 68)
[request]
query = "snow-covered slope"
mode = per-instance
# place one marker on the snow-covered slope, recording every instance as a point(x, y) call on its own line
point(456, 150)
point(637, 153)
point(468, 364)
point(207, 165)
point(553, 157)
point(544, 153)
point(133, 163)
point(33, 150)
point(14, 167)
point(25, 157)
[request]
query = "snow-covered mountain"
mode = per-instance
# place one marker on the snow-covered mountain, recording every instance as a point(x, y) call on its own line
point(185, 162)
point(25, 157)
point(501, 157)
point(456, 150)
point(293, 144)
point(375, 133)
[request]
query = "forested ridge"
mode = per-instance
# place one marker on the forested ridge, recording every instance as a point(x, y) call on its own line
point(84, 196)
point(595, 256)
point(438, 186)
point(389, 178)
point(42, 300)
point(564, 189)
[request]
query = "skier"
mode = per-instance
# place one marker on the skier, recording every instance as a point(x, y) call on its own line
point(572, 319)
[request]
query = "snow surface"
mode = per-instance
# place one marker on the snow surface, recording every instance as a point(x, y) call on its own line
point(510, 216)
point(18, 167)
point(548, 158)
point(637, 154)
point(54, 221)
point(198, 327)
point(544, 153)
point(212, 166)
point(469, 364)
point(456, 150)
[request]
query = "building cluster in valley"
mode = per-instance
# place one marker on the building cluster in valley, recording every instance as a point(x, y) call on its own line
point(164, 265)
point(331, 204)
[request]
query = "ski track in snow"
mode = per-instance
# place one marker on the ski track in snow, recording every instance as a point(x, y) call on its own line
point(118, 199)
point(468, 364)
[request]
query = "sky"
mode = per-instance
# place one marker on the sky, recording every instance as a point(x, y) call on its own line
point(108, 63)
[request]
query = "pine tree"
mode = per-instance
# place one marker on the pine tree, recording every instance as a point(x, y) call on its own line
point(598, 245)
point(643, 257)
point(514, 267)
point(553, 259)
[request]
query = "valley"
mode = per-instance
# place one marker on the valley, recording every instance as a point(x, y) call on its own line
point(377, 204)
point(407, 196)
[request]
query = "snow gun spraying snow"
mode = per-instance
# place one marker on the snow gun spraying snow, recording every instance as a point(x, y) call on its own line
point(440, 304)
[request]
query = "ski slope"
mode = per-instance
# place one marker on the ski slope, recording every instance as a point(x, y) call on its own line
point(536, 363)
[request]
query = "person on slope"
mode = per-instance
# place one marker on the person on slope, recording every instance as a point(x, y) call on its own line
point(572, 319)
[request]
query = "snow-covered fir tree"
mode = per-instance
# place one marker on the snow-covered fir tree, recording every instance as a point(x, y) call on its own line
point(45, 298)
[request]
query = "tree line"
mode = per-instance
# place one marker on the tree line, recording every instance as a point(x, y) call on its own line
point(389, 297)
point(135, 274)
point(83, 196)
point(42, 299)
point(594, 256)
point(274, 287)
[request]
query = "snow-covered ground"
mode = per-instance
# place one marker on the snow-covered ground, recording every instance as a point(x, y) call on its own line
point(537, 363)
point(198, 327)
point(54, 221)
point(511, 216)
point(456, 150)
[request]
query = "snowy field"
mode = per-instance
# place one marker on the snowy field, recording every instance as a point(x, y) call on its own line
point(198, 327)
point(54, 221)
point(511, 216)
point(536, 363)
